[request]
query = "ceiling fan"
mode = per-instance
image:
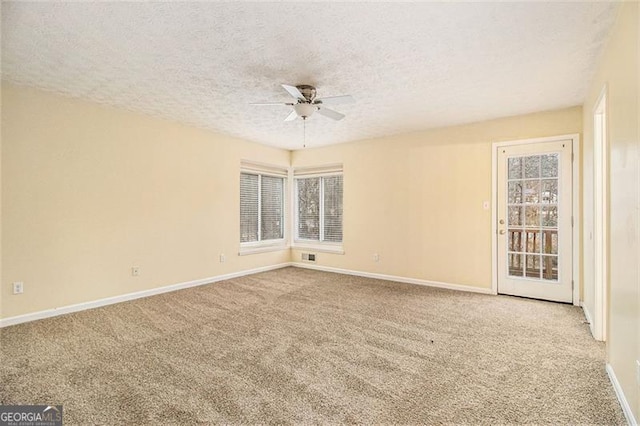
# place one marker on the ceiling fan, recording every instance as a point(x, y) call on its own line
point(306, 103)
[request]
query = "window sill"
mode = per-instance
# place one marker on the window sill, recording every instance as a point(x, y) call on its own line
point(320, 248)
point(261, 249)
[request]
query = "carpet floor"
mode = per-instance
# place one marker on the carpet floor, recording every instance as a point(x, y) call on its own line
point(302, 346)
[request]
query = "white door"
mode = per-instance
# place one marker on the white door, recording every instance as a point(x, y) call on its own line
point(534, 220)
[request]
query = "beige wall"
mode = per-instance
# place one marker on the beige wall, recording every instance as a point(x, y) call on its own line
point(416, 199)
point(90, 191)
point(1, 283)
point(619, 71)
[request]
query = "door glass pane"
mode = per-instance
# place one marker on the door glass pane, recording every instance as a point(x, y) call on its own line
point(515, 264)
point(532, 166)
point(532, 216)
point(516, 240)
point(550, 216)
point(515, 192)
point(515, 168)
point(532, 191)
point(549, 165)
point(533, 266)
point(533, 242)
point(550, 242)
point(550, 268)
point(550, 191)
point(515, 215)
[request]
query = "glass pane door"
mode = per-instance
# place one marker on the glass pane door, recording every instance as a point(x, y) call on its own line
point(534, 239)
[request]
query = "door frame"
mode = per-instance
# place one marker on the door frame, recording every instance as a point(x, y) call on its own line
point(575, 207)
point(600, 238)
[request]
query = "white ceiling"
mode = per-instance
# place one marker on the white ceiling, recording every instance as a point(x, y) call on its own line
point(410, 66)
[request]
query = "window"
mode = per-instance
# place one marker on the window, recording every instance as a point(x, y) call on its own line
point(262, 208)
point(319, 208)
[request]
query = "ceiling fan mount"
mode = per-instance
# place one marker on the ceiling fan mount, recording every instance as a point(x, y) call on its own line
point(306, 102)
point(309, 92)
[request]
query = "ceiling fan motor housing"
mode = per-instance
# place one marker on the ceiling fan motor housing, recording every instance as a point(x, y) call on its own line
point(309, 92)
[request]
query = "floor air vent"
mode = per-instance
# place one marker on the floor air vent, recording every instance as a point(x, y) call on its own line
point(308, 257)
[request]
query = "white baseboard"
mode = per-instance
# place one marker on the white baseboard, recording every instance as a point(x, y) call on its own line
point(48, 313)
point(626, 408)
point(5, 322)
point(427, 283)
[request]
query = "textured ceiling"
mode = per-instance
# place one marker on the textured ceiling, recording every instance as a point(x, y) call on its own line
point(409, 66)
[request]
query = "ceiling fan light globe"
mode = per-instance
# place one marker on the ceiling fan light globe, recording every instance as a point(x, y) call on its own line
point(305, 110)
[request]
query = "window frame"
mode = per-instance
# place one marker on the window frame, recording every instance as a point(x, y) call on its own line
point(260, 246)
point(318, 245)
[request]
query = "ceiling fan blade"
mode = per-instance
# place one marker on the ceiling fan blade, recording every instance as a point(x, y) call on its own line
point(330, 113)
point(335, 100)
point(271, 103)
point(291, 116)
point(293, 91)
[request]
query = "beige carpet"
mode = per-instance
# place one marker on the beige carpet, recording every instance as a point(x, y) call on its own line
point(301, 346)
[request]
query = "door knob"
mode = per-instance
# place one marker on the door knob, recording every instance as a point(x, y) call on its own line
point(501, 221)
point(502, 232)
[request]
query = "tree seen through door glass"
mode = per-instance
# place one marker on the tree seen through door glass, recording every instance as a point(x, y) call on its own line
point(515, 192)
point(531, 191)
point(549, 165)
point(515, 168)
point(532, 166)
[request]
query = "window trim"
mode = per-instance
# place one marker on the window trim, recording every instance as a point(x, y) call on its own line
point(321, 247)
point(261, 246)
point(317, 245)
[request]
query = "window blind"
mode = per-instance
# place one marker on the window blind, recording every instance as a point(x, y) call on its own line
point(332, 189)
point(248, 207)
point(308, 194)
point(319, 205)
point(272, 207)
point(262, 203)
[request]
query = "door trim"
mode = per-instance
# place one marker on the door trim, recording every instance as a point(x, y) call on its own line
point(600, 218)
point(575, 207)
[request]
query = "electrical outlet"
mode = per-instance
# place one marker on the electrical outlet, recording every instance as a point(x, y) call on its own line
point(222, 258)
point(135, 271)
point(376, 257)
point(18, 287)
